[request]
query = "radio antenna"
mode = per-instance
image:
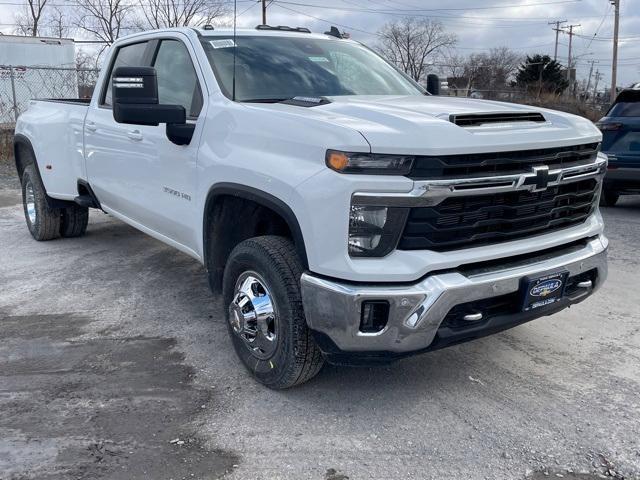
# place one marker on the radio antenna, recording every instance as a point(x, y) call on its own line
point(233, 85)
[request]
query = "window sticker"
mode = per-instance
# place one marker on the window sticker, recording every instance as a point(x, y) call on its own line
point(319, 59)
point(222, 43)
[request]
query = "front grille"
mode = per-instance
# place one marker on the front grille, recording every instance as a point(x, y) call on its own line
point(502, 163)
point(475, 220)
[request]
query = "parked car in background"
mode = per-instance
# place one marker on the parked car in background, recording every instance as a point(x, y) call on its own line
point(621, 142)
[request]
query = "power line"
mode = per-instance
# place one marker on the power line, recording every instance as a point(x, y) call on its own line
point(413, 11)
point(329, 22)
point(606, 14)
point(247, 9)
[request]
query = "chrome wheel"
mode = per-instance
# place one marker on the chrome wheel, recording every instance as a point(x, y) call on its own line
point(253, 315)
point(30, 201)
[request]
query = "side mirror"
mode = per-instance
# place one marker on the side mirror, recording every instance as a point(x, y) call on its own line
point(433, 84)
point(135, 99)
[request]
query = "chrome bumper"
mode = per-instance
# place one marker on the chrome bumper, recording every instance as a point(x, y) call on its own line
point(416, 311)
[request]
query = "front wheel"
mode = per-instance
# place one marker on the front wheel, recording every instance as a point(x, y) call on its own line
point(261, 290)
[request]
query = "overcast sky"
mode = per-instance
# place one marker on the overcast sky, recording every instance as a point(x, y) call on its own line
point(520, 25)
point(479, 25)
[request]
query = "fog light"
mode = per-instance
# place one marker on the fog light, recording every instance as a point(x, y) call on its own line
point(373, 230)
point(374, 316)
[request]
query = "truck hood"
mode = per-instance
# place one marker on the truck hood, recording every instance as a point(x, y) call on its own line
point(420, 125)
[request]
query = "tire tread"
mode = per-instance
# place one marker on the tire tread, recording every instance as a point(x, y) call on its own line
point(74, 221)
point(282, 257)
point(47, 226)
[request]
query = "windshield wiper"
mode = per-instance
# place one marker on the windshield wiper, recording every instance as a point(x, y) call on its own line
point(266, 100)
point(298, 101)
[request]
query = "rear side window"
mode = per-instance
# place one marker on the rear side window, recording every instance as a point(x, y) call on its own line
point(177, 79)
point(625, 109)
point(127, 56)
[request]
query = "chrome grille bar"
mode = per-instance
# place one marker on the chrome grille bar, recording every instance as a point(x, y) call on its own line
point(432, 192)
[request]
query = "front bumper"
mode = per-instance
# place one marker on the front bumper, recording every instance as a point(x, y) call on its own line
point(333, 308)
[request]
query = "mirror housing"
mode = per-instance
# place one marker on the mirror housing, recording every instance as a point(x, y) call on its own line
point(135, 99)
point(433, 84)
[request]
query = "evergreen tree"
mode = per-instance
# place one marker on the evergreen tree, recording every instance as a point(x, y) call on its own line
point(542, 74)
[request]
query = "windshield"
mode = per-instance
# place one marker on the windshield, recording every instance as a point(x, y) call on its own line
point(272, 68)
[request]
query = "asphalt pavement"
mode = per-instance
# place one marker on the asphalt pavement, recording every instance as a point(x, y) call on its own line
point(115, 363)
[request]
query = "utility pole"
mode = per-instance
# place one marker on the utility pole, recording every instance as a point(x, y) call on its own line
point(264, 12)
point(571, 34)
point(592, 62)
point(557, 30)
point(614, 63)
point(595, 87)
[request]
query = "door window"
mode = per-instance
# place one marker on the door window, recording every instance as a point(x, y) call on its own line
point(127, 56)
point(177, 79)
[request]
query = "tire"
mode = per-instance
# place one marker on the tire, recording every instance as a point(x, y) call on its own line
point(74, 221)
point(43, 222)
point(609, 198)
point(283, 353)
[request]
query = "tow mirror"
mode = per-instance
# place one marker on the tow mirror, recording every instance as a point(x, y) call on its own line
point(433, 84)
point(135, 102)
point(135, 98)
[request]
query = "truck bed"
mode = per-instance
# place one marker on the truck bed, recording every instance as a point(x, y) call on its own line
point(55, 127)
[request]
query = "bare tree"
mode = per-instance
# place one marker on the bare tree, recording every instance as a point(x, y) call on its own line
point(503, 64)
point(58, 24)
point(105, 20)
point(454, 69)
point(87, 69)
point(28, 22)
point(181, 13)
point(411, 43)
point(491, 72)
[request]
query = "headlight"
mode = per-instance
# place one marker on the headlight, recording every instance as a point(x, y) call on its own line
point(374, 231)
point(368, 163)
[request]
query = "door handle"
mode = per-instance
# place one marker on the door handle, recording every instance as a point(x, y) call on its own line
point(134, 135)
point(91, 126)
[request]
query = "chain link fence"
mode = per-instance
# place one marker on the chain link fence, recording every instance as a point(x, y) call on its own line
point(20, 84)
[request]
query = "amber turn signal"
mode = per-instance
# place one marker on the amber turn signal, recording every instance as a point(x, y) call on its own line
point(337, 160)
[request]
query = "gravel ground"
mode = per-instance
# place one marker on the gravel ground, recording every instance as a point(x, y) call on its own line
point(115, 363)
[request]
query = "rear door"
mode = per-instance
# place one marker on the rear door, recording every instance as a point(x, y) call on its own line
point(149, 179)
point(113, 155)
point(621, 130)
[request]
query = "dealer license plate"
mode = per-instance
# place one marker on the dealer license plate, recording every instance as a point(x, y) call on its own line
point(543, 291)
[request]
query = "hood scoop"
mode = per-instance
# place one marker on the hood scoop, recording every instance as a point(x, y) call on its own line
point(306, 101)
point(478, 119)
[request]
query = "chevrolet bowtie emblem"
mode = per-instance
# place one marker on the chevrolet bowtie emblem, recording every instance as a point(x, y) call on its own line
point(539, 180)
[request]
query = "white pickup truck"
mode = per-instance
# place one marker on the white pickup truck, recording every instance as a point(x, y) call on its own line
point(344, 213)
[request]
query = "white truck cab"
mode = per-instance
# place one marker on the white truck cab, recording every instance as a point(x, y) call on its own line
point(344, 213)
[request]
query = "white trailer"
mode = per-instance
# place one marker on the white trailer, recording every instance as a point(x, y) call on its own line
point(34, 67)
